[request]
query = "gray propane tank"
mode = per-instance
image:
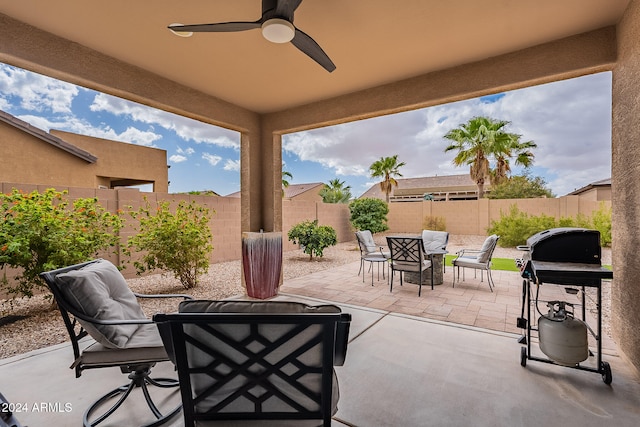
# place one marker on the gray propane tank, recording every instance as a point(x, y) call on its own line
point(563, 338)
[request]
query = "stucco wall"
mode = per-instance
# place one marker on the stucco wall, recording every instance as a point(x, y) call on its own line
point(28, 159)
point(473, 217)
point(625, 295)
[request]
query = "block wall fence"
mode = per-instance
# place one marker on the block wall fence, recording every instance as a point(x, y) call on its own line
point(466, 217)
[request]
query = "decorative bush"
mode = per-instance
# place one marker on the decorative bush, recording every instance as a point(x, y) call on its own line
point(178, 242)
point(369, 214)
point(41, 232)
point(312, 237)
point(436, 223)
point(515, 227)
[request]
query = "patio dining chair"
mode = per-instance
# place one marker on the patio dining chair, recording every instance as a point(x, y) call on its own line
point(435, 243)
point(94, 299)
point(369, 250)
point(247, 363)
point(477, 259)
point(407, 255)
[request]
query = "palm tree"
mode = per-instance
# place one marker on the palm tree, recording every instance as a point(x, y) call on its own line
point(335, 192)
point(506, 147)
point(481, 138)
point(386, 167)
point(285, 182)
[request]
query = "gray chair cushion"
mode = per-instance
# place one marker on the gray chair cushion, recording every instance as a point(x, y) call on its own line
point(366, 238)
point(487, 249)
point(434, 240)
point(98, 290)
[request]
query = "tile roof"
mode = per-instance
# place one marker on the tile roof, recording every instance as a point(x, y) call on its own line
point(292, 190)
point(602, 183)
point(47, 137)
point(426, 184)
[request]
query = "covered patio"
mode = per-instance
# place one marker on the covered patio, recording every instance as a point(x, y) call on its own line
point(412, 361)
point(389, 59)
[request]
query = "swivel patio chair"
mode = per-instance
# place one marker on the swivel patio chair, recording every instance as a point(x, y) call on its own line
point(407, 255)
point(477, 259)
point(94, 299)
point(246, 363)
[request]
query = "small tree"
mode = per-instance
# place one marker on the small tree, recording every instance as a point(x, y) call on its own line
point(369, 214)
point(313, 237)
point(41, 232)
point(179, 242)
point(520, 187)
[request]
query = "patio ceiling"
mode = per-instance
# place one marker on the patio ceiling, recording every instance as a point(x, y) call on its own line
point(372, 42)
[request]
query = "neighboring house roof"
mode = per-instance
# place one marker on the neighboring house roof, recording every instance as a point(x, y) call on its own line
point(602, 183)
point(454, 186)
point(292, 190)
point(47, 137)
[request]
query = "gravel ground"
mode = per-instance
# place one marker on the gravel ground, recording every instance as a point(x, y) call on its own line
point(34, 323)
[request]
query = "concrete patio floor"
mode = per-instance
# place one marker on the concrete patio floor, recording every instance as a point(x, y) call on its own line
point(408, 364)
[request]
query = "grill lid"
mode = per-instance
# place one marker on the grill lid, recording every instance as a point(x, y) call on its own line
point(566, 244)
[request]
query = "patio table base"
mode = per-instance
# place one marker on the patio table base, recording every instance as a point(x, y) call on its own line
point(438, 278)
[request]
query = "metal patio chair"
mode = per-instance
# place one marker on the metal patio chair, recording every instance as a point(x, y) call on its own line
point(407, 255)
point(247, 363)
point(94, 299)
point(477, 259)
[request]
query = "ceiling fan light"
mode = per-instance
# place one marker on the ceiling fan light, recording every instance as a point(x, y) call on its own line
point(180, 33)
point(278, 30)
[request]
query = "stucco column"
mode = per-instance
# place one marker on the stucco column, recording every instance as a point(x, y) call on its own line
point(261, 206)
point(625, 292)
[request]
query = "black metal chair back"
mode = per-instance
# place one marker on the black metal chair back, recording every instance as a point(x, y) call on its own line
point(256, 366)
point(407, 255)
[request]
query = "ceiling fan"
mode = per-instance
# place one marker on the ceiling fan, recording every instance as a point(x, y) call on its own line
point(277, 26)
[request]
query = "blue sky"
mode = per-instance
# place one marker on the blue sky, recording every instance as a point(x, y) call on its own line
point(569, 120)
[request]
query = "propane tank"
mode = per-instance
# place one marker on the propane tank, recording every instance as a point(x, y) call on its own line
point(563, 338)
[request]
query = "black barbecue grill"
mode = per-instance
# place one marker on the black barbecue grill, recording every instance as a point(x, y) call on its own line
point(569, 257)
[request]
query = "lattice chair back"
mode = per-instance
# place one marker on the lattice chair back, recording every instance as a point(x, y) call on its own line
point(265, 363)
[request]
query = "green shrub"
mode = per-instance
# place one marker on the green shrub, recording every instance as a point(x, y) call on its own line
point(369, 214)
point(312, 237)
point(436, 223)
point(178, 242)
point(41, 232)
point(515, 227)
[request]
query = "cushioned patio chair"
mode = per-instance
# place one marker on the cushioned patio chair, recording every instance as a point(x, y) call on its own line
point(435, 243)
point(477, 259)
point(246, 363)
point(94, 299)
point(407, 255)
point(369, 249)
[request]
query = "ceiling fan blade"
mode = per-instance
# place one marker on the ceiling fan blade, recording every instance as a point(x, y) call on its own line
point(221, 27)
point(309, 46)
point(286, 8)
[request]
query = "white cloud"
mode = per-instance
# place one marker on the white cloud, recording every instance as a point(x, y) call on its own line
point(569, 120)
point(185, 128)
point(177, 158)
point(73, 124)
point(211, 158)
point(232, 165)
point(188, 151)
point(37, 93)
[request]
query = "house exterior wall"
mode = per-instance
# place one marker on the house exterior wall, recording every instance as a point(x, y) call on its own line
point(625, 296)
point(122, 160)
point(27, 159)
